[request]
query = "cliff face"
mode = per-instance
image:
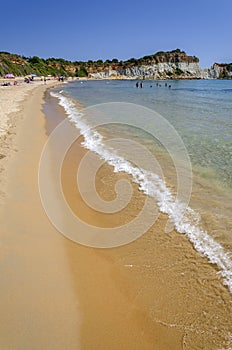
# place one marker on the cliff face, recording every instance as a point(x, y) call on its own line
point(165, 70)
point(169, 65)
point(162, 65)
point(218, 71)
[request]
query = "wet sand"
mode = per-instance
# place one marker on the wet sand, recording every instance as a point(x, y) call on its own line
point(154, 293)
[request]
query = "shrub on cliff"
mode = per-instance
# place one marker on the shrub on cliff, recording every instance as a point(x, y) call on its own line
point(177, 51)
point(229, 67)
point(81, 73)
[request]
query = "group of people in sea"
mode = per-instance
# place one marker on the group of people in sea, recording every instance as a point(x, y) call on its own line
point(140, 84)
point(169, 86)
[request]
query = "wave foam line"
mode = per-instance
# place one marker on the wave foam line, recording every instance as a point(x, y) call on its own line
point(152, 185)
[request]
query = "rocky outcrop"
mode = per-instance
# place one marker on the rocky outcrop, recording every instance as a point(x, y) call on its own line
point(163, 65)
point(170, 65)
point(217, 71)
point(165, 70)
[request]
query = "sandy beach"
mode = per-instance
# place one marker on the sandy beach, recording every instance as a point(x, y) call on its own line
point(155, 293)
point(34, 273)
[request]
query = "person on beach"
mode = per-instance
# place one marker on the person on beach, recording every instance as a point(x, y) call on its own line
point(137, 84)
point(45, 80)
point(141, 85)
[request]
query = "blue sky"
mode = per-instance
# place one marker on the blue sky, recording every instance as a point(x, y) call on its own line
point(83, 30)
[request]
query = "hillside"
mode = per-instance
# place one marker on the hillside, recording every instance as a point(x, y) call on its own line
point(20, 65)
point(174, 64)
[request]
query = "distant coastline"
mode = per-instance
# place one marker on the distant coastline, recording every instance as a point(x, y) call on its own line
point(175, 64)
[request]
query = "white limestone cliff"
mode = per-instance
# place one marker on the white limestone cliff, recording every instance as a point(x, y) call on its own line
point(163, 70)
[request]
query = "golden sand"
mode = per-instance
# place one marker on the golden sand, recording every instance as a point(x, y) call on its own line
point(154, 293)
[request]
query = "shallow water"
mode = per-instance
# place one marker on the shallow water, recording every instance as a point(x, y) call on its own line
point(199, 110)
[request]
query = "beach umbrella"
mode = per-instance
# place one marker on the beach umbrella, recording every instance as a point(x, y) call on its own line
point(33, 75)
point(9, 75)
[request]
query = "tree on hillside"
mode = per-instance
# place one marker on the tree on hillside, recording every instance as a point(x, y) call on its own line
point(82, 72)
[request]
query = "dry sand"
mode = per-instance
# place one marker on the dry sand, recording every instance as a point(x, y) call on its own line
point(155, 293)
point(39, 309)
point(11, 101)
point(10, 97)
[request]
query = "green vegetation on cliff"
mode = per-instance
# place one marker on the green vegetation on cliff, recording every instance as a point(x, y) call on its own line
point(21, 65)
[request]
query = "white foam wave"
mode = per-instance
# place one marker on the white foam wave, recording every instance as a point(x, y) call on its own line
point(152, 185)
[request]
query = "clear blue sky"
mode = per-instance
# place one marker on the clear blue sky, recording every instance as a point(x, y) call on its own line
point(83, 30)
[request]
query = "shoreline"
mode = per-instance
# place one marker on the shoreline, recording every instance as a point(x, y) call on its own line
point(199, 234)
point(139, 269)
point(154, 292)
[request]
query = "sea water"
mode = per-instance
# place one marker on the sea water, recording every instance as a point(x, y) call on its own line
point(201, 113)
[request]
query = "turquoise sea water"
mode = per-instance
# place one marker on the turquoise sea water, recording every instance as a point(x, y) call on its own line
point(201, 112)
